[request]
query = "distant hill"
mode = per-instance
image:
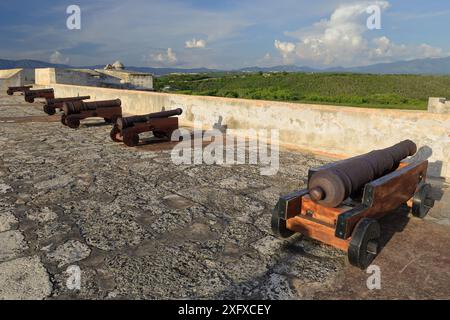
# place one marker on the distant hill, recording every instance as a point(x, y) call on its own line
point(287, 68)
point(29, 64)
point(164, 71)
point(439, 66)
point(419, 66)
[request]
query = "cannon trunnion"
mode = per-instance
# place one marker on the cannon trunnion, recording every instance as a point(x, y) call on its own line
point(162, 124)
point(352, 224)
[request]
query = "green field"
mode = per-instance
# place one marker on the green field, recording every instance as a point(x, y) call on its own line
point(362, 90)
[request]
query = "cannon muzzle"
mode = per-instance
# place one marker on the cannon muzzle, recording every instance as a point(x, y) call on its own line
point(123, 123)
point(332, 185)
point(72, 107)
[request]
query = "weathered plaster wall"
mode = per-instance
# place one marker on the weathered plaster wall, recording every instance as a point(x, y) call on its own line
point(76, 77)
point(45, 76)
point(340, 131)
point(15, 77)
point(9, 78)
point(136, 79)
point(439, 105)
point(97, 78)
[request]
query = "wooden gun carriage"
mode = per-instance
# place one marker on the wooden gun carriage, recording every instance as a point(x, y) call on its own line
point(12, 90)
point(352, 225)
point(162, 124)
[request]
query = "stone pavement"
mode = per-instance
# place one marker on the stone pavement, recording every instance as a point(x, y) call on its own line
point(140, 227)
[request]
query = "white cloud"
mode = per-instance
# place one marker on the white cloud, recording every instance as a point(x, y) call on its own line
point(194, 43)
point(57, 57)
point(428, 51)
point(344, 39)
point(165, 58)
point(286, 49)
point(171, 56)
point(385, 50)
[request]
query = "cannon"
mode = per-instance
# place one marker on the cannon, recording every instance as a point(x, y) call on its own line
point(31, 95)
point(162, 124)
point(53, 104)
point(12, 90)
point(75, 111)
point(344, 200)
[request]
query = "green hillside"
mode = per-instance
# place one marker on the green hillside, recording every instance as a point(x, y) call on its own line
point(363, 90)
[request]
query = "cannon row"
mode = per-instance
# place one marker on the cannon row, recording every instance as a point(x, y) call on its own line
point(125, 129)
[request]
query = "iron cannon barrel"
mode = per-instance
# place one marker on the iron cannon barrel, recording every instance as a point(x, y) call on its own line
point(130, 121)
point(68, 99)
point(20, 87)
point(33, 93)
point(72, 107)
point(332, 185)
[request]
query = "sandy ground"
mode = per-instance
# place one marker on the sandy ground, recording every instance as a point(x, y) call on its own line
point(140, 227)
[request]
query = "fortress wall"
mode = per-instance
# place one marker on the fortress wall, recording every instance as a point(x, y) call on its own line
point(333, 130)
point(45, 76)
point(15, 78)
point(439, 105)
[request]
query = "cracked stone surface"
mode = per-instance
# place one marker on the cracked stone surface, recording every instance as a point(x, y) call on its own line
point(7, 221)
point(139, 226)
point(12, 244)
point(70, 252)
point(24, 279)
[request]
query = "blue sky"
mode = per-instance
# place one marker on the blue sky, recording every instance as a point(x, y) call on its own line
point(224, 34)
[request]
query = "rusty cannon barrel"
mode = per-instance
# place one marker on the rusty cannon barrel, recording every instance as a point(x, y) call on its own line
point(123, 123)
point(335, 183)
point(53, 104)
point(30, 95)
point(67, 99)
point(74, 107)
point(12, 90)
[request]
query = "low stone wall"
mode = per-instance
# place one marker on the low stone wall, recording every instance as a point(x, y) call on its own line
point(334, 130)
point(439, 105)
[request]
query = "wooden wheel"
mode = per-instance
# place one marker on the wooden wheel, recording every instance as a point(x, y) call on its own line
point(49, 110)
point(422, 201)
point(73, 123)
point(115, 134)
point(132, 140)
point(64, 119)
point(364, 246)
point(279, 226)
